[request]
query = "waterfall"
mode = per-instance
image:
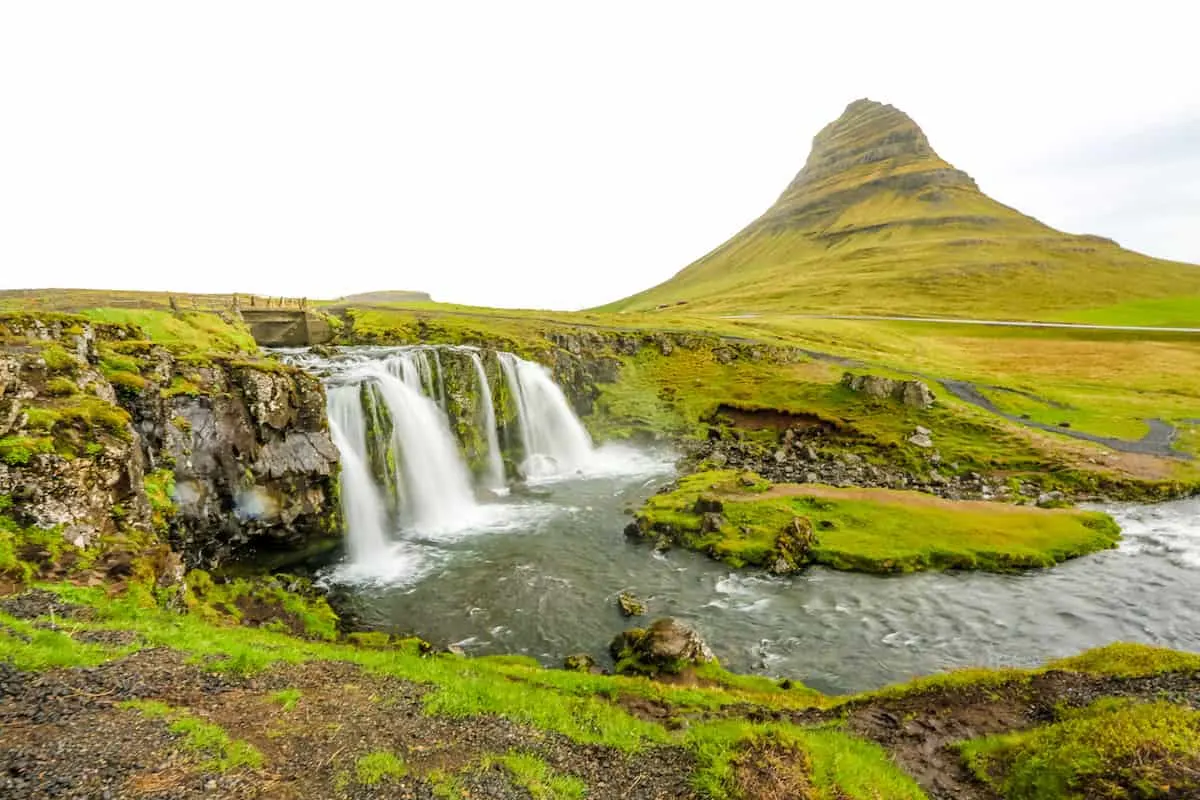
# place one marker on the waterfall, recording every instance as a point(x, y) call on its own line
point(494, 478)
point(393, 416)
point(437, 484)
point(554, 440)
point(362, 507)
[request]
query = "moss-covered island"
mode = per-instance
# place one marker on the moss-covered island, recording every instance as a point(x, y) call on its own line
point(744, 520)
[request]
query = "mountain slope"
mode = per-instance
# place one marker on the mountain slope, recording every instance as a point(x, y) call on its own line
point(877, 222)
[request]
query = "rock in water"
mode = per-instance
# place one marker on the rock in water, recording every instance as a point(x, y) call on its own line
point(668, 646)
point(630, 606)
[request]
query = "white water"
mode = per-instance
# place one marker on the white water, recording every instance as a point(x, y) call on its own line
point(555, 442)
point(494, 479)
point(437, 484)
point(362, 506)
point(409, 491)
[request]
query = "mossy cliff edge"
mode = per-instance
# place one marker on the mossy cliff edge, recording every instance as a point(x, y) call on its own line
point(211, 453)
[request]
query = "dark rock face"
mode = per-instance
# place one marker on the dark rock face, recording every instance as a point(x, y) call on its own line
point(244, 444)
point(667, 646)
point(253, 461)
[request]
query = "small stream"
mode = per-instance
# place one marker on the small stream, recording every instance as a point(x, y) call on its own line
point(537, 572)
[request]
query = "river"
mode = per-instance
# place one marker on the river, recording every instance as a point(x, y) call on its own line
point(538, 574)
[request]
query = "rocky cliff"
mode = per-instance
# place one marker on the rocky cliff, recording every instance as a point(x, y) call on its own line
point(104, 434)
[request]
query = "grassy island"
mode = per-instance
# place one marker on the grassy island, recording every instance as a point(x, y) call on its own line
point(745, 521)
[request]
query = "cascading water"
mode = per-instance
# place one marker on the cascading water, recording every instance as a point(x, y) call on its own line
point(362, 506)
point(494, 477)
point(554, 440)
point(437, 484)
point(413, 423)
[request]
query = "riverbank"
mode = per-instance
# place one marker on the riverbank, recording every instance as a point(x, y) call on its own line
point(111, 695)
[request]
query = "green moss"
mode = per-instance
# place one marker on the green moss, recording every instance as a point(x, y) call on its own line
point(30, 647)
point(535, 776)
point(1114, 748)
point(58, 359)
point(870, 530)
point(181, 386)
point(376, 767)
point(159, 487)
point(61, 387)
point(445, 786)
point(16, 451)
point(267, 601)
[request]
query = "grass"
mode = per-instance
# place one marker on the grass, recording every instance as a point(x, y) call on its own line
point(220, 752)
point(287, 699)
point(376, 767)
point(1123, 660)
point(1114, 748)
point(823, 762)
point(535, 776)
point(1178, 312)
point(867, 530)
point(580, 706)
point(191, 330)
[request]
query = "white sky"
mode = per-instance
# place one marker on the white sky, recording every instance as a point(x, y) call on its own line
point(546, 154)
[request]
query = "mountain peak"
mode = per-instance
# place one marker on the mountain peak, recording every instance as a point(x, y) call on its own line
point(877, 222)
point(872, 147)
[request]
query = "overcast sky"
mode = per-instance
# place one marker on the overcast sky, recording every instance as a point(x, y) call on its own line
point(546, 154)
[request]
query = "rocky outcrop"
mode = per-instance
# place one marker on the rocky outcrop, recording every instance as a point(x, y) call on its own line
point(815, 454)
point(667, 646)
point(912, 393)
point(103, 433)
point(254, 466)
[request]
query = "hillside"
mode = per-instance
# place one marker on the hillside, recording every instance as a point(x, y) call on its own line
point(876, 222)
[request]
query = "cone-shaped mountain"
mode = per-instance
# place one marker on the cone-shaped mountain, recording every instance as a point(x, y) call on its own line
point(877, 223)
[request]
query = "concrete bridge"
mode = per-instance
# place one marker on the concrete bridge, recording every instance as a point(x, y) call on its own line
point(286, 327)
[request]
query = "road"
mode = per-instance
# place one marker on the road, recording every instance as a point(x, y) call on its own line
point(996, 322)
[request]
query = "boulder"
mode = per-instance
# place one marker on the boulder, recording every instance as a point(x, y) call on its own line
point(912, 393)
point(579, 662)
point(667, 646)
point(921, 437)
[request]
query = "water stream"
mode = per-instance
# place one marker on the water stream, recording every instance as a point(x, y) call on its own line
point(537, 572)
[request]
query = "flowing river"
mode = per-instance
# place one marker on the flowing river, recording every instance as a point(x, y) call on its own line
point(439, 550)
